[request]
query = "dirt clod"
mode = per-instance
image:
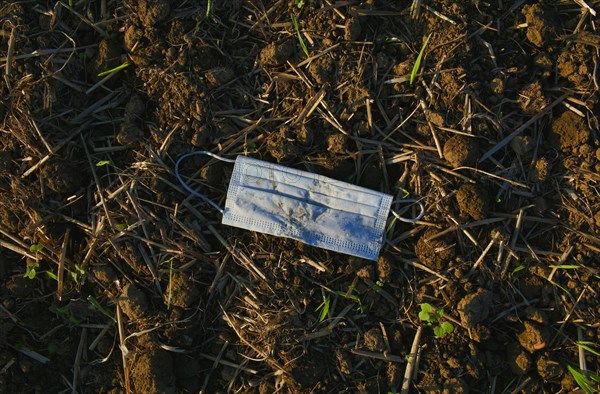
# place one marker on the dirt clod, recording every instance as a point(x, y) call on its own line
point(540, 170)
point(344, 361)
point(532, 99)
point(533, 337)
point(547, 368)
point(153, 12)
point(184, 292)
point(434, 253)
point(518, 359)
point(473, 200)
point(539, 28)
point(373, 340)
point(134, 302)
point(384, 269)
point(568, 132)
point(461, 151)
point(153, 372)
point(475, 308)
point(275, 54)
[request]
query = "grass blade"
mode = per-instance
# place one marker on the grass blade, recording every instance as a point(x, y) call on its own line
point(112, 70)
point(415, 70)
point(302, 44)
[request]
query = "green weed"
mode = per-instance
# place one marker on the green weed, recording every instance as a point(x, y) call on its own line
point(208, 8)
point(297, 28)
point(518, 268)
point(587, 345)
point(324, 307)
point(586, 384)
point(348, 294)
point(431, 317)
point(377, 286)
point(92, 300)
point(32, 266)
point(299, 3)
point(102, 163)
point(417, 66)
point(64, 311)
point(112, 70)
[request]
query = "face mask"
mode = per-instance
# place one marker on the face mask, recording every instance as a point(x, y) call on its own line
point(319, 211)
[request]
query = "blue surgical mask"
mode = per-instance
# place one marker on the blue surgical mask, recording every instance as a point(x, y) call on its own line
point(314, 209)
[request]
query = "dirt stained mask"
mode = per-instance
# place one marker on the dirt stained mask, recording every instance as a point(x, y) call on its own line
point(311, 208)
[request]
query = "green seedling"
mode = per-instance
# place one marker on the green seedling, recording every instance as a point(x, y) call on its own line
point(518, 268)
point(324, 308)
point(113, 70)
point(417, 66)
point(377, 286)
point(64, 311)
point(299, 3)
point(92, 300)
point(77, 273)
point(32, 266)
point(431, 317)
point(102, 163)
point(352, 297)
point(208, 8)
point(585, 383)
point(52, 275)
point(302, 44)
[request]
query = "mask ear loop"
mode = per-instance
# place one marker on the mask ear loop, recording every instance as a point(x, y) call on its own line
point(187, 187)
point(409, 220)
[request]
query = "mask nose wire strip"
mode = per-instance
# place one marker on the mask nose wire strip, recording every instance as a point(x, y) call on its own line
point(409, 220)
point(187, 187)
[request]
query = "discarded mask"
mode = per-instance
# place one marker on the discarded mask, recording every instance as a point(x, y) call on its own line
point(307, 207)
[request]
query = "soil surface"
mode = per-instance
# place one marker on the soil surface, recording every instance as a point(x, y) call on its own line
point(113, 278)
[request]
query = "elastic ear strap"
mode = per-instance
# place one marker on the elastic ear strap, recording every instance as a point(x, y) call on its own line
point(409, 220)
point(187, 187)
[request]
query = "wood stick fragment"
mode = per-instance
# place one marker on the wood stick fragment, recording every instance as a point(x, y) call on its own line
point(379, 356)
point(411, 365)
point(61, 264)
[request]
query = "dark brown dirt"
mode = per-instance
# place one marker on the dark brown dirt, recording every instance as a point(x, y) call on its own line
point(473, 200)
point(87, 184)
point(436, 253)
point(461, 151)
point(475, 308)
point(568, 132)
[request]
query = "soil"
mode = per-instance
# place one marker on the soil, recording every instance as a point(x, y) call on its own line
point(114, 279)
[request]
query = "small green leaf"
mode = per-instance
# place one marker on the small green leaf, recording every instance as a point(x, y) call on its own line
point(31, 270)
point(102, 163)
point(447, 327)
point(52, 275)
point(425, 316)
point(35, 248)
point(426, 308)
point(519, 268)
point(443, 329)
